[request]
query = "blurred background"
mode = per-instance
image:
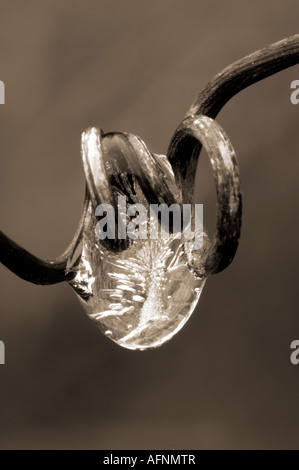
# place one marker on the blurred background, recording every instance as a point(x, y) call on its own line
point(226, 380)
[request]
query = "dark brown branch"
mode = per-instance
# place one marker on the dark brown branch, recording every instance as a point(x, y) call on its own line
point(36, 270)
point(29, 267)
point(224, 86)
point(210, 101)
point(245, 72)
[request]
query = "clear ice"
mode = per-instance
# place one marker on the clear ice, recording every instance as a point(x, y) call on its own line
point(139, 297)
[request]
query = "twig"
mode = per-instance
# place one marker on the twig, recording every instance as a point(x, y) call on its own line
point(224, 86)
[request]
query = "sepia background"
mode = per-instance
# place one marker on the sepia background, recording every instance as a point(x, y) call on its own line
point(226, 380)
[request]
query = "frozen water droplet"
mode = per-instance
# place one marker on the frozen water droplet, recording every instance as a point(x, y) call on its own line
point(141, 296)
